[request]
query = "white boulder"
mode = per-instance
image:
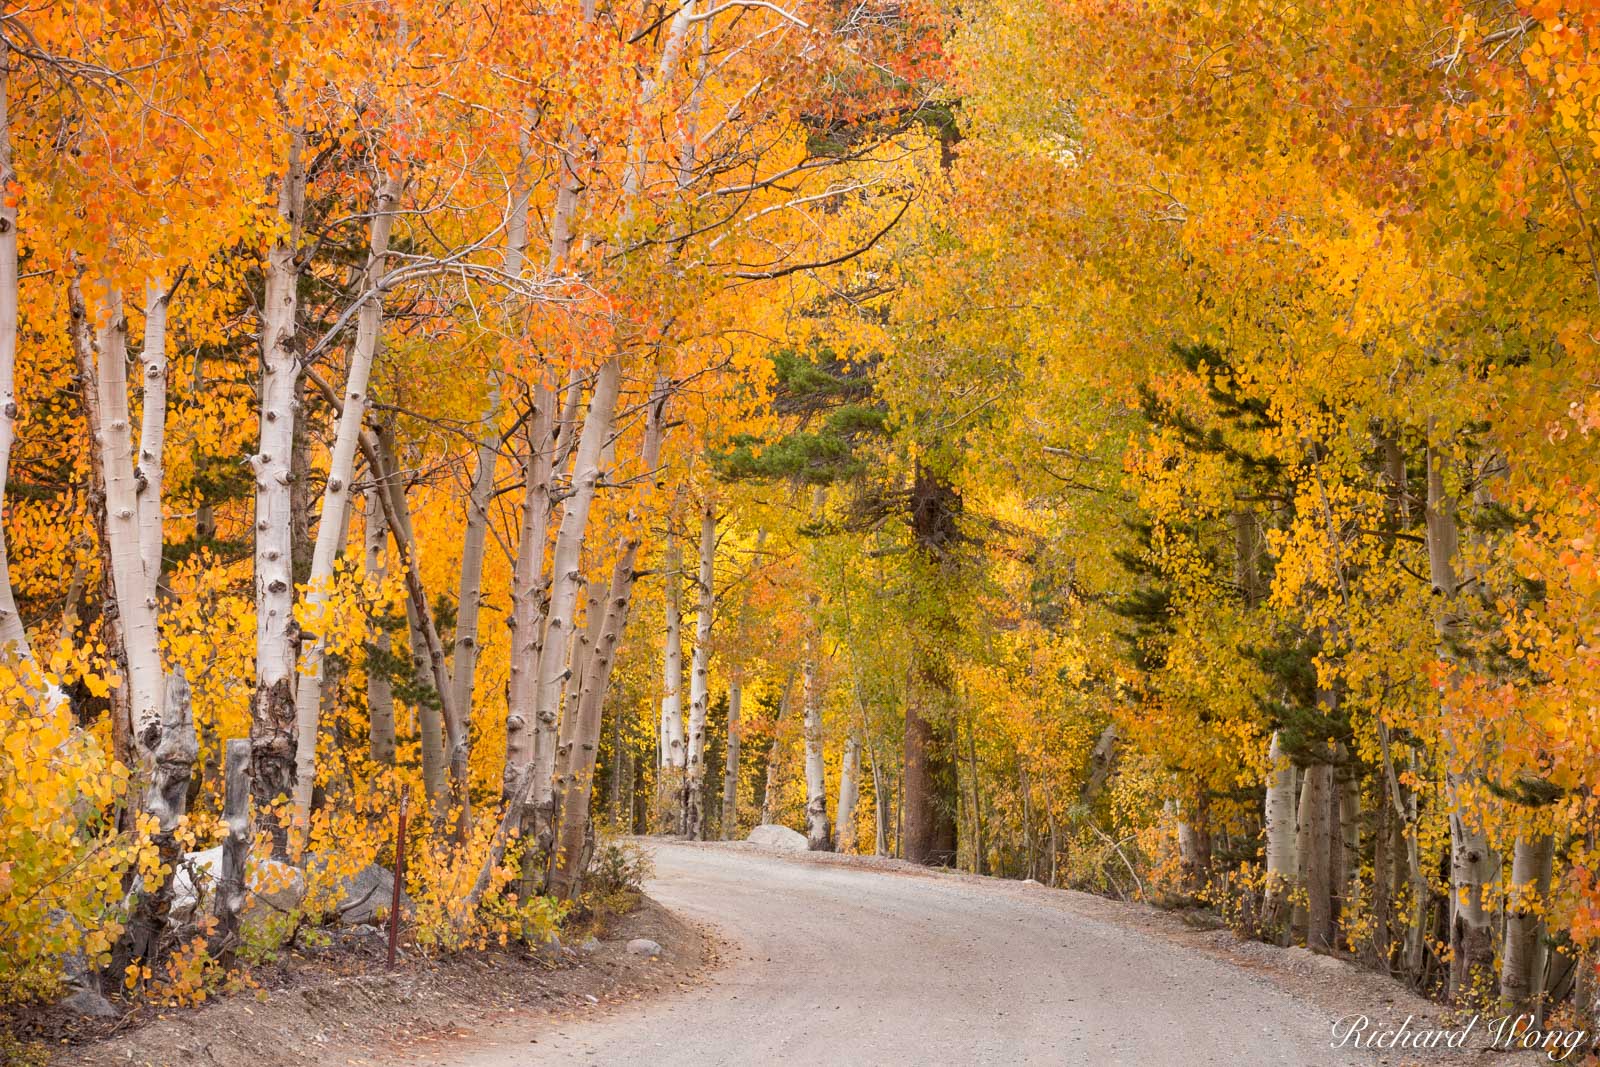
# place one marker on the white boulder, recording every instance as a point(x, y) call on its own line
point(775, 836)
point(277, 885)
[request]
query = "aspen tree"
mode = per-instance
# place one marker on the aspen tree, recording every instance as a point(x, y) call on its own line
point(569, 861)
point(380, 691)
point(1279, 823)
point(272, 736)
point(565, 578)
point(849, 792)
point(1471, 858)
point(819, 835)
point(336, 500)
point(13, 636)
point(674, 749)
point(699, 678)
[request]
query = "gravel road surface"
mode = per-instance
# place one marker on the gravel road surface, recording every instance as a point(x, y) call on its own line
point(831, 964)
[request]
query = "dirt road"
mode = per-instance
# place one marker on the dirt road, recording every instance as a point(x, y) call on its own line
point(835, 965)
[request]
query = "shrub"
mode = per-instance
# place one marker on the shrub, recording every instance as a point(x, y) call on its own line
point(617, 868)
point(62, 859)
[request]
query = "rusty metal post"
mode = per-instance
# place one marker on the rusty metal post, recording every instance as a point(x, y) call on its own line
point(399, 879)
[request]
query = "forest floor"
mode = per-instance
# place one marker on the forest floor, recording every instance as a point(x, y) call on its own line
point(314, 1012)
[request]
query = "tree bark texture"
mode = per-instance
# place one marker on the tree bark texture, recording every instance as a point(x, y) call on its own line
point(272, 736)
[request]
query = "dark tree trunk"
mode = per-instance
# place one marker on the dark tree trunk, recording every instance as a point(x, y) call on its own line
point(1384, 858)
point(1317, 807)
point(272, 748)
point(929, 794)
point(168, 766)
point(929, 834)
point(231, 886)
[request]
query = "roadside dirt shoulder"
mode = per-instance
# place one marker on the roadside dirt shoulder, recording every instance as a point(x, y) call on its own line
point(387, 1018)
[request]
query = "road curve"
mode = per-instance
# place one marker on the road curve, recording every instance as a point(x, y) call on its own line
point(838, 965)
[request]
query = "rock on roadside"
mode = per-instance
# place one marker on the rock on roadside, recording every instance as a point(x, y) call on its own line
point(279, 886)
point(367, 894)
point(89, 1003)
point(643, 946)
point(775, 836)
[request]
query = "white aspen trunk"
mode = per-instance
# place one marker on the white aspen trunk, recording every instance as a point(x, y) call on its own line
point(1188, 843)
point(730, 770)
point(430, 722)
point(671, 52)
point(1102, 761)
point(1471, 860)
point(463, 668)
point(272, 735)
point(169, 768)
point(13, 637)
point(566, 204)
point(849, 793)
point(672, 746)
point(767, 806)
point(582, 651)
point(232, 890)
point(689, 152)
point(335, 502)
point(565, 579)
point(443, 738)
point(581, 657)
point(527, 591)
point(161, 713)
point(880, 811)
point(1317, 807)
point(818, 837)
point(1050, 823)
point(565, 872)
point(569, 186)
point(1194, 836)
point(1025, 787)
point(674, 754)
point(1349, 886)
point(1417, 933)
point(136, 602)
point(565, 576)
point(980, 847)
point(1280, 823)
point(1312, 914)
point(699, 679)
point(1302, 852)
point(880, 801)
point(152, 433)
point(380, 692)
point(569, 859)
point(1522, 966)
point(469, 593)
point(566, 427)
point(576, 783)
point(81, 336)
